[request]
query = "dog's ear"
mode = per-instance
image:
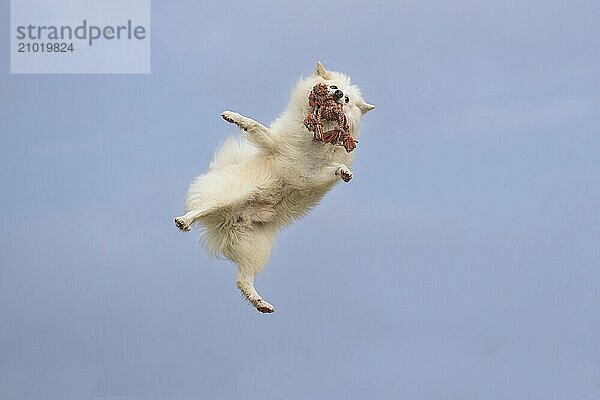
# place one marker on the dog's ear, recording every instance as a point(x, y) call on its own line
point(365, 107)
point(321, 71)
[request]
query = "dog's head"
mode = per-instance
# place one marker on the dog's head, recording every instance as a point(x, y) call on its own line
point(343, 91)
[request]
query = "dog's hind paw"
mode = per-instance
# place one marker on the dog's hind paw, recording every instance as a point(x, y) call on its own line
point(182, 224)
point(264, 307)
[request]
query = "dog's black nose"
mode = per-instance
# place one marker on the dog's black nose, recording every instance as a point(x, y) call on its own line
point(338, 94)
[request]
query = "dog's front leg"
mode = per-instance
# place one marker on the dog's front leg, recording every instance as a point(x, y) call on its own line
point(344, 173)
point(332, 173)
point(258, 134)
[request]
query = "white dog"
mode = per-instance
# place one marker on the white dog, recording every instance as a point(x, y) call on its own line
point(256, 186)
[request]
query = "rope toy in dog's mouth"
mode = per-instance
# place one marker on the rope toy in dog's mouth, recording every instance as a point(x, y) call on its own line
point(327, 108)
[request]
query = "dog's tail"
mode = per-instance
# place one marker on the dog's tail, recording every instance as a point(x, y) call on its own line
point(232, 151)
point(230, 198)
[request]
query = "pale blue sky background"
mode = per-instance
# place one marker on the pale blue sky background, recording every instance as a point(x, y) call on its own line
point(468, 264)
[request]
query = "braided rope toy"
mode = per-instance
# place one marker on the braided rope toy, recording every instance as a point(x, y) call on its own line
point(327, 108)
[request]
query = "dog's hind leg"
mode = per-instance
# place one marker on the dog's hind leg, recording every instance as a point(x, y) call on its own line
point(250, 251)
point(212, 193)
point(185, 221)
point(245, 282)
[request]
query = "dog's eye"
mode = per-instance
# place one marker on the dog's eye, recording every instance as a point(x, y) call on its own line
point(333, 87)
point(346, 99)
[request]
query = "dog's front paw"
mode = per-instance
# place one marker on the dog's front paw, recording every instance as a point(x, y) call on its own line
point(231, 116)
point(182, 224)
point(235, 118)
point(344, 173)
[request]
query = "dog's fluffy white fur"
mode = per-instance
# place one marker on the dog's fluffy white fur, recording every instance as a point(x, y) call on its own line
point(265, 180)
